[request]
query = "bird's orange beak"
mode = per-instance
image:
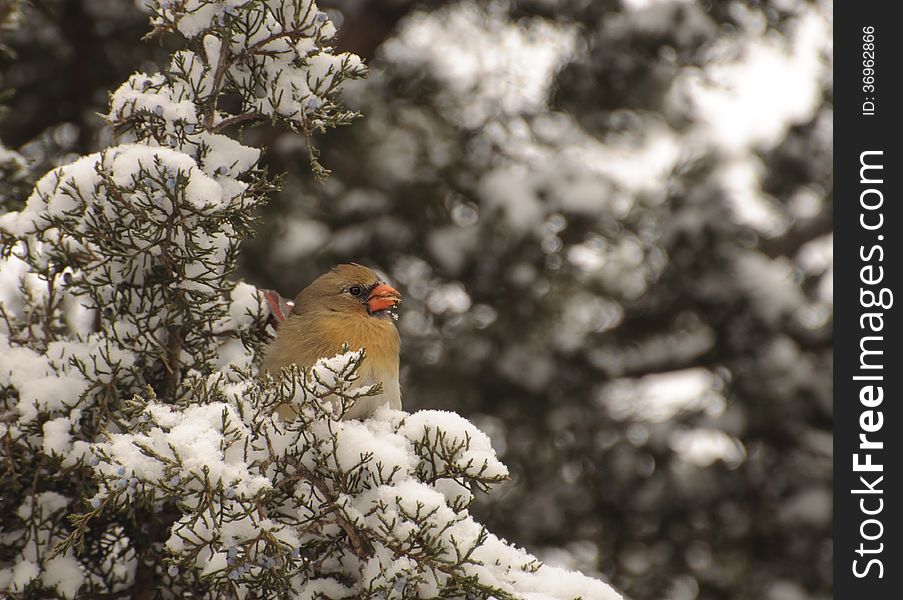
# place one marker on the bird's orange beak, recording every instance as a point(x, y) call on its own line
point(383, 296)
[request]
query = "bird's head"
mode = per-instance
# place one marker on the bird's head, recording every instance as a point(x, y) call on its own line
point(349, 289)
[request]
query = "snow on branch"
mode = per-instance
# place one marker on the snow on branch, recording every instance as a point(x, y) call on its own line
point(271, 56)
point(143, 452)
point(315, 505)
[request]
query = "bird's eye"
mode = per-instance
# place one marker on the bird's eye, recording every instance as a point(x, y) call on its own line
point(355, 290)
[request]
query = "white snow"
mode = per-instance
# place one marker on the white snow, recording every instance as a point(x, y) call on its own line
point(48, 394)
point(23, 573)
point(298, 78)
point(775, 83)
point(127, 164)
point(451, 430)
point(301, 237)
point(635, 5)
point(386, 456)
point(356, 440)
point(195, 439)
point(449, 298)
point(13, 272)
point(702, 447)
point(13, 163)
point(57, 436)
point(770, 284)
point(658, 398)
point(65, 574)
point(502, 69)
point(756, 85)
point(549, 583)
point(556, 167)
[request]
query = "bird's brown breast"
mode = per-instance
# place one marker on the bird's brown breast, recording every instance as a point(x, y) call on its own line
point(304, 339)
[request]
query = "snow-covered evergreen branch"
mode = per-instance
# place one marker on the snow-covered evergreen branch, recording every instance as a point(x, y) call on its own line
point(142, 456)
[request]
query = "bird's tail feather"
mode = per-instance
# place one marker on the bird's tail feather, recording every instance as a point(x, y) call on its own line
point(279, 307)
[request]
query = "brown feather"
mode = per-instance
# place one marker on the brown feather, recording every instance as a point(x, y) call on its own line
point(324, 318)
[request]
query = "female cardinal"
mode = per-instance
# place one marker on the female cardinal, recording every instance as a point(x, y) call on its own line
point(348, 305)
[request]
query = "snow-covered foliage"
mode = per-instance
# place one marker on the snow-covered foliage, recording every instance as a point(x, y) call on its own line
point(142, 452)
point(612, 222)
point(316, 505)
point(270, 55)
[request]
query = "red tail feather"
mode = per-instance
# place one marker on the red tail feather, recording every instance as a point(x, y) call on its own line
point(279, 307)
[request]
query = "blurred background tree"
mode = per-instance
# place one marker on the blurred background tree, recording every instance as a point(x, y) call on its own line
point(611, 221)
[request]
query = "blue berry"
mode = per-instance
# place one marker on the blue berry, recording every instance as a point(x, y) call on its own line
point(176, 480)
point(120, 471)
point(173, 570)
point(95, 502)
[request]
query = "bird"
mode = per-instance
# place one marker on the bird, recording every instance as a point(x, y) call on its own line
point(348, 305)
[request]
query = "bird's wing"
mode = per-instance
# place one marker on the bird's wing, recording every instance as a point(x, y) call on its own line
point(279, 307)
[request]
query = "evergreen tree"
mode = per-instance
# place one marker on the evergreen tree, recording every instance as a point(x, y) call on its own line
point(140, 452)
point(612, 222)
